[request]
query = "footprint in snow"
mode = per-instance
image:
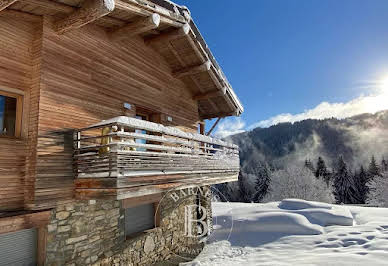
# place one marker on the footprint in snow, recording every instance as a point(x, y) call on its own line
point(362, 253)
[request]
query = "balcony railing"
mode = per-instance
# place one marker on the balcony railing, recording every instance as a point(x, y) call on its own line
point(128, 148)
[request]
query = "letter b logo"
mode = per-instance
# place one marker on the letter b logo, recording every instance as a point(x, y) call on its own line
point(191, 222)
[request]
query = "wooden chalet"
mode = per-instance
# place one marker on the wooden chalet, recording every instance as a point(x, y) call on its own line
point(101, 101)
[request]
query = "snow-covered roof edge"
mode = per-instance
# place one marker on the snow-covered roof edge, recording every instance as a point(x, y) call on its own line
point(185, 12)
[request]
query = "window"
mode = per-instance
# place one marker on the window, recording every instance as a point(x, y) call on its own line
point(141, 214)
point(139, 219)
point(10, 114)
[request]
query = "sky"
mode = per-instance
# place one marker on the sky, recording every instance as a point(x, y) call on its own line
point(289, 60)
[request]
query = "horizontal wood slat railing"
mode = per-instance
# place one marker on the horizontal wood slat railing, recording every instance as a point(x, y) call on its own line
point(129, 147)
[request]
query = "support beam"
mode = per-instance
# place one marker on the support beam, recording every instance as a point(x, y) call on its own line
point(169, 36)
point(6, 3)
point(210, 94)
point(214, 126)
point(135, 28)
point(90, 11)
point(193, 70)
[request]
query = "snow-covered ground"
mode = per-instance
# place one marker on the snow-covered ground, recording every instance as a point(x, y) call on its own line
point(296, 232)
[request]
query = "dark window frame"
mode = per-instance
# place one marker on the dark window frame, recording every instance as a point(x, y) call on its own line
point(19, 113)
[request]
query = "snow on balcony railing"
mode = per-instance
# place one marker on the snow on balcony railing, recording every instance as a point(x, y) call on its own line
point(125, 146)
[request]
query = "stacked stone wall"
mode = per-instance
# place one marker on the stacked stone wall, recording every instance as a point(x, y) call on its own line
point(92, 232)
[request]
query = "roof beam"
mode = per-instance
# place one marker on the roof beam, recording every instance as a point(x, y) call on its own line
point(142, 8)
point(169, 36)
point(6, 3)
point(193, 70)
point(210, 94)
point(90, 11)
point(59, 7)
point(135, 28)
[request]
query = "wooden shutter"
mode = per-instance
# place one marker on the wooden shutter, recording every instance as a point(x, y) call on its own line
point(18, 248)
point(139, 219)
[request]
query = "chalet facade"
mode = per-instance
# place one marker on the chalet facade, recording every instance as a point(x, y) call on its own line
point(102, 109)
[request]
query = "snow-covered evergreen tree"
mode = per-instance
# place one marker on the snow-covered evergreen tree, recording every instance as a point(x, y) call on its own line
point(360, 181)
point(298, 182)
point(263, 179)
point(321, 170)
point(344, 189)
point(378, 190)
point(373, 169)
point(384, 165)
point(244, 194)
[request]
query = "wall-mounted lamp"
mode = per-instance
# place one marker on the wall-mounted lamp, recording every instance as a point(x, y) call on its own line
point(169, 118)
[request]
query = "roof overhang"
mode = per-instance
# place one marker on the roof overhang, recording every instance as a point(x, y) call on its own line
point(166, 27)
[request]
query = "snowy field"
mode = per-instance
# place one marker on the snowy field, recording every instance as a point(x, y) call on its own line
point(296, 232)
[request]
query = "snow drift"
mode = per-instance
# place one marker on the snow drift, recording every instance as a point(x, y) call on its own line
point(253, 225)
point(296, 232)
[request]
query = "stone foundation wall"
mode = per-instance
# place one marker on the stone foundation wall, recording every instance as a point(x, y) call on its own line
point(93, 233)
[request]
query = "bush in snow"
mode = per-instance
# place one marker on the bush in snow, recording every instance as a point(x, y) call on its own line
point(378, 190)
point(301, 183)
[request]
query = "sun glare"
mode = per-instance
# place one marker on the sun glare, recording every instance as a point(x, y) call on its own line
point(384, 85)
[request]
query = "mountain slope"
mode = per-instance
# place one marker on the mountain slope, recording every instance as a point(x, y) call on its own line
point(356, 139)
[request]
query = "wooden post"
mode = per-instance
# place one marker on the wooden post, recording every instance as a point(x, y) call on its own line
point(42, 240)
point(135, 28)
point(6, 3)
point(202, 127)
point(90, 11)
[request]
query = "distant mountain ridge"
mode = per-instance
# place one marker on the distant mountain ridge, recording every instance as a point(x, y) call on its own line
point(356, 138)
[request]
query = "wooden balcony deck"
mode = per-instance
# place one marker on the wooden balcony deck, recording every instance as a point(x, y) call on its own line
point(125, 157)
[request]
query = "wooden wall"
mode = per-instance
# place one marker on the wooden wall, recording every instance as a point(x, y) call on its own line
point(86, 78)
point(17, 35)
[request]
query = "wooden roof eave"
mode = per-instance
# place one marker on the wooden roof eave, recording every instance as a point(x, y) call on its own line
point(93, 11)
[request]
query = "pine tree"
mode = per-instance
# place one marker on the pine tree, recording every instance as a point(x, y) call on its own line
point(373, 169)
point(262, 183)
point(321, 170)
point(243, 191)
point(360, 182)
point(344, 190)
point(384, 165)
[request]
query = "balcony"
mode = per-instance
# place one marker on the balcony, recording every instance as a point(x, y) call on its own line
point(125, 157)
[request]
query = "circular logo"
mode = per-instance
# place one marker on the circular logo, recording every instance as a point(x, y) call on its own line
point(185, 213)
